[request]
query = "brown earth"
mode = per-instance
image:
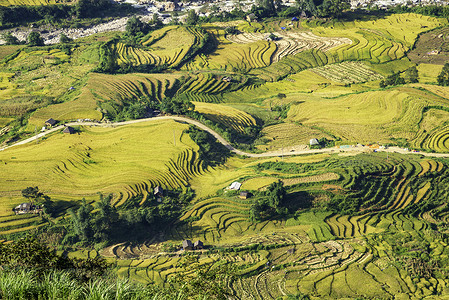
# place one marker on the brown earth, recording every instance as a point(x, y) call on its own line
point(432, 47)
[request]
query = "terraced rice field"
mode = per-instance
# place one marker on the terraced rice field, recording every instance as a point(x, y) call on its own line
point(261, 183)
point(365, 117)
point(347, 72)
point(376, 41)
point(166, 47)
point(109, 160)
point(110, 91)
point(225, 115)
point(291, 43)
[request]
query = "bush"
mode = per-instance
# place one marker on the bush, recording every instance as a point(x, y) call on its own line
point(35, 39)
point(443, 77)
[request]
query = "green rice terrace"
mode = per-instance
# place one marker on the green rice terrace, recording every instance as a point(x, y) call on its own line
point(279, 159)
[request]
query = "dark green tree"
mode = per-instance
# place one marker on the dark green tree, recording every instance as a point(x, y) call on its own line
point(192, 17)
point(177, 105)
point(31, 193)
point(393, 79)
point(90, 8)
point(156, 22)
point(307, 6)
point(411, 75)
point(81, 224)
point(104, 218)
point(333, 8)
point(10, 39)
point(267, 5)
point(35, 39)
point(276, 194)
point(64, 39)
point(135, 27)
point(443, 77)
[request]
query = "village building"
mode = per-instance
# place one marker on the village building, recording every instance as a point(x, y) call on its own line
point(187, 245)
point(158, 192)
point(244, 195)
point(235, 186)
point(50, 122)
point(314, 142)
point(198, 245)
point(69, 130)
point(26, 208)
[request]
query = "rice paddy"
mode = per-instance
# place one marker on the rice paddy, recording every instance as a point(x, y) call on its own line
point(375, 218)
point(110, 160)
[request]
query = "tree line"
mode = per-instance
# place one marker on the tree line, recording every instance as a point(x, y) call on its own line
point(11, 16)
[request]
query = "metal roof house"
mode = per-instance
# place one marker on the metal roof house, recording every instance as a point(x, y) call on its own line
point(314, 142)
point(235, 186)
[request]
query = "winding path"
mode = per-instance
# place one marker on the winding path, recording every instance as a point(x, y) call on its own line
point(223, 141)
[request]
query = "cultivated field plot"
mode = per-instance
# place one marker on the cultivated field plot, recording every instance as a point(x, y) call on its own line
point(226, 115)
point(261, 183)
point(125, 161)
point(110, 92)
point(290, 43)
point(376, 41)
point(431, 47)
point(166, 47)
point(348, 72)
point(302, 254)
point(368, 117)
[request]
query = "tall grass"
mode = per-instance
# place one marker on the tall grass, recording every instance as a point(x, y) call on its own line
point(27, 285)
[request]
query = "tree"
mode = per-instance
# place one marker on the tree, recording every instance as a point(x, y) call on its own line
point(393, 79)
point(81, 221)
point(307, 6)
point(267, 5)
point(178, 106)
point(63, 39)
point(443, 77)
point(90, 8)
point(10, 39)
point(135, 26)
point(31, 193)
point(276, 194)
point(411, 75)
point(192, 18)
point(333, 8)
point(104, 218)
point(35, 39)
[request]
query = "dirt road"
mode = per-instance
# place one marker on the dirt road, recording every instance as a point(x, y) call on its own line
point(224, 142)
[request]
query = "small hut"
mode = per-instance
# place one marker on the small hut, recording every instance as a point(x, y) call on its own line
point(314, 142)
point(50, 122)
point(244, 195)
point(69, 130)
point(187, 245)
point(158, 192)
point(198, 245)
point(24, 208)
